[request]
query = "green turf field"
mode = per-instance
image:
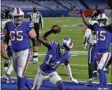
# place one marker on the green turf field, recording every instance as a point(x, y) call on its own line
point(71, 27)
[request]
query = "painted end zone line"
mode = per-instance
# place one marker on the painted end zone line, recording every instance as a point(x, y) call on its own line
point(63, 80)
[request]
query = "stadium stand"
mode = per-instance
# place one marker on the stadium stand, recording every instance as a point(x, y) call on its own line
point(54, 8)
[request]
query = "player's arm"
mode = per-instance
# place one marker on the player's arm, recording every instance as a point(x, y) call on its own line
point(85, 42)
point(33, 37)
point(86, 21)
point(86, 38)
point(69, 71)
point(54, 29)
point(44, 41)
point(41, 21)
point(4, 45)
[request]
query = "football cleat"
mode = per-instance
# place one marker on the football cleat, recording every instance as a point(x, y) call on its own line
point(89, 83)
point(100, 88)
point(7, 79)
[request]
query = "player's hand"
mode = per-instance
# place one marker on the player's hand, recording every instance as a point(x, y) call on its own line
point(35, 58)
point(74, 80)
point(81, 11)
point(85, 46)
point(56, 29)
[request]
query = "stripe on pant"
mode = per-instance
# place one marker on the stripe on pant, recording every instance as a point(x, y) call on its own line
point(107, 59)
point(28, 58)
point(90, 52)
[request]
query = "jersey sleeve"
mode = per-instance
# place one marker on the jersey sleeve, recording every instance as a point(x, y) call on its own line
point(87, 33)
point(68, 57)
point(31, 25)
point(53, 44)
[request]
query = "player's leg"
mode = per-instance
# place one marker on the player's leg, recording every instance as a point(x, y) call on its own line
point(56, 79)
point(90, 64)
point(95, 76)
point(7, 75)
point(10, 68)
point(108, 64)
point(6, 64)
point(101, 66)
point(23, 60)
point(36, 28)
point(38, 80)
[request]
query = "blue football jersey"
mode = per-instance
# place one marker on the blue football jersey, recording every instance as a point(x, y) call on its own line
point(53, 59)
point(103, 38)
point(19, 37)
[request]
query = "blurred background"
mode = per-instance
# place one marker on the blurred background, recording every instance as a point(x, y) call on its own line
point(57, 8)
point(65, 13)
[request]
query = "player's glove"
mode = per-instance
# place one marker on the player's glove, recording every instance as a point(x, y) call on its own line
point(85, 46)
point(35, 58)
point(74, 80)
point(81, 11)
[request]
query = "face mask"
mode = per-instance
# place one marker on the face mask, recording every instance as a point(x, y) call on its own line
point(102, 22)
point(18, 19)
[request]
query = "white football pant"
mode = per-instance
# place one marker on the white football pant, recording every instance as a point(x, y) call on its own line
point(41, 76)
point(20, 61)
point(104, 60)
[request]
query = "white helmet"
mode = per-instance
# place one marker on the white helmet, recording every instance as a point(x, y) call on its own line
point(66, 45)
point(17, 12)
point(102, 19)
point(18, 15)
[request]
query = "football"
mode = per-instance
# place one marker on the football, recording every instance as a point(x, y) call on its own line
point(56, 29)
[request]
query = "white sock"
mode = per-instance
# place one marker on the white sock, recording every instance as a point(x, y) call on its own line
point(35, 82)
point(38, 80)
point(6, 64)
point(5, 69)
point(10, 69)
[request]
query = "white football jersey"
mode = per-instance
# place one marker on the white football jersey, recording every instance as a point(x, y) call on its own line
point(4, 22)
point(91, 37)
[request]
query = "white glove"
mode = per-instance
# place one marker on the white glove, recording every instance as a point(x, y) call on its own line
point(74, 80)
point(85, 46)
point(35, 58)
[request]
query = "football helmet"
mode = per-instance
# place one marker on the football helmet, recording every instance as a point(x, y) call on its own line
point(65, 45)
point(17, 15)
point(95, 14)
point(102, 19)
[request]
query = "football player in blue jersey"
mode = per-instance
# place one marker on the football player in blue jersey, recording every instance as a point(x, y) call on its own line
point(56, 55)
point(20, 32)
point(102, 46)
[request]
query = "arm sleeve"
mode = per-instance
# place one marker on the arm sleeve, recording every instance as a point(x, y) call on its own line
point(41, 20)
point(31, 25)
point(68, 71)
